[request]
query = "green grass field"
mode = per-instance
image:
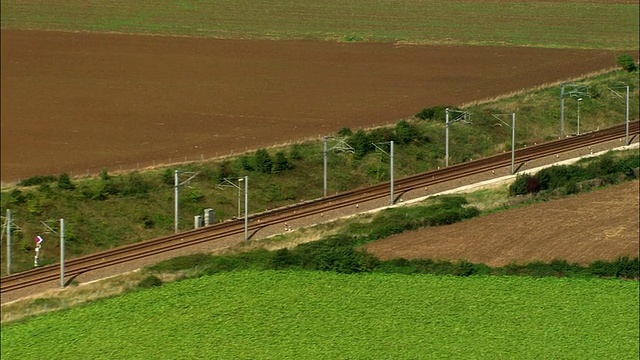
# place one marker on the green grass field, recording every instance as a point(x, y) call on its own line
point(316, 315)
point(540, 24)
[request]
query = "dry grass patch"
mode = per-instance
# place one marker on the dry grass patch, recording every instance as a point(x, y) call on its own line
point(60, 299)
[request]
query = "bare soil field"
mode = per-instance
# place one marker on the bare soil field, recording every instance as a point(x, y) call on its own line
point(80, 102)
point(600, 225)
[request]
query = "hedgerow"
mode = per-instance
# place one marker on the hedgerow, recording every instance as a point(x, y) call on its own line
point(341, 252)
point(340, 255)
point(337, 252)
point(571, 179)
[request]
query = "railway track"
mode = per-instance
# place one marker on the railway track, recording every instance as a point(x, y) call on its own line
point(74, 267)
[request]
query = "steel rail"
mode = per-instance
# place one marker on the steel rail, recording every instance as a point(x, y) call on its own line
point(140, 250)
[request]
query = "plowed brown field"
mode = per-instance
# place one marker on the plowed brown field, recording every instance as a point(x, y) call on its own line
point(600, 225)
point(80, 102)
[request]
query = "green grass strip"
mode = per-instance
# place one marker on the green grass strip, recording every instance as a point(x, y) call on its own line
point(541, 24)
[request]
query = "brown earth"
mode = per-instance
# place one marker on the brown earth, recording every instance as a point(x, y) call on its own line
point(601, 225)
point(80, 102)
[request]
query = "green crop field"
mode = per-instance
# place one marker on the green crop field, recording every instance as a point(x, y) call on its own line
point(319, 315)
point(594, 25)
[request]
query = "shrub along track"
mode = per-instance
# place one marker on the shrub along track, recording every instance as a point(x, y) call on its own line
point(223, 234)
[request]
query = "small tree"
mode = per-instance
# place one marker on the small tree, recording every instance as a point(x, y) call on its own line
point(296, 152)
point(361, 144)
point(433, 113)
point(263, 161)
point(405, 132)
point(281, 162)
point(626, 62)
point(345, 131)
point(104, 174)
point(64, 182)
point(523, 185)
point(225, 171)
point(246, 164)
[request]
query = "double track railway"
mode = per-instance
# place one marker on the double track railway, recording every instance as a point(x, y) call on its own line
point(74, 267)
